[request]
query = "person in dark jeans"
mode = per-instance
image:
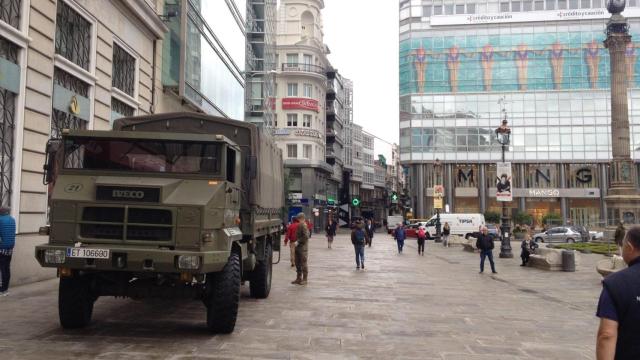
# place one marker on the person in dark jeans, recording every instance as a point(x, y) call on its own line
point(359, 239)
point(422, 237)
point(370, 229)
point(485, 245)
point(399, 234)
point(7, 242)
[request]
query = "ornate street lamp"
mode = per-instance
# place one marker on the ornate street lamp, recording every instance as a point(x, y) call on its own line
point(503, 136)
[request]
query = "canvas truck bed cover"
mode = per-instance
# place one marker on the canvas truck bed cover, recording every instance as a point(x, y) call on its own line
point(267, 189)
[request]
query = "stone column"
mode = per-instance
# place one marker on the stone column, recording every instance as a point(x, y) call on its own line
point(483, 188)
point(623, 194)
point(603, 192)
point(523, 200)
point(420, 185)
point(448, 178)
point(563, 200)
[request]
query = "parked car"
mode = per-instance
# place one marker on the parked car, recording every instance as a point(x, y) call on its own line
point(596, 235)
point(584, 233)
point(494, 231)
point(561, 234)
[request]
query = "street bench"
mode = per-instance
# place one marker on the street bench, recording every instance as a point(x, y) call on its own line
point(548, 259)
point(609, 266)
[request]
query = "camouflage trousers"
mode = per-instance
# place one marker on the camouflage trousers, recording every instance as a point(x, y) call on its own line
point(302, 252)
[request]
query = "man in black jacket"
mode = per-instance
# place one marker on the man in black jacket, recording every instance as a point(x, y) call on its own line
point(485, 245)
point(619, 306)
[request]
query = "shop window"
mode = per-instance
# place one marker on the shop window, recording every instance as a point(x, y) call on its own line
point(123, 71)
point(10, 12)
point(73, 36)
point(8, 51)
point(292, 120)
point(67, 120)
point(292, 151)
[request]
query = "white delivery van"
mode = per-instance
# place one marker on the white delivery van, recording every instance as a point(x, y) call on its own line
point(461, 224)
point(392, 221)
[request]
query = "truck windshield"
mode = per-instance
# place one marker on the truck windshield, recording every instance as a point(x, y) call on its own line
point(151, 156)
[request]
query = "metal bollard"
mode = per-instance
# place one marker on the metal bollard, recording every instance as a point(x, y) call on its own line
point(568, 260)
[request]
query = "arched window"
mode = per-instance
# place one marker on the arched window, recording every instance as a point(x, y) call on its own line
point(307, 21)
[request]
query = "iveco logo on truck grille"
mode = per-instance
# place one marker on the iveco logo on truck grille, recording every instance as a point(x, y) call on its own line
point(122, 193)
point(127, 194)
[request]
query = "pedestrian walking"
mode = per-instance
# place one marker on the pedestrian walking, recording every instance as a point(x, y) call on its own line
point(399, 234)
point(7, 242)
point(290, 238)
point(528, 246)
point(359, 240)
point(422, 238)
point(370, 229)
point(331, 231)
point(619, 306)
point(446, 232)
point(484, 243)
point(302, 251)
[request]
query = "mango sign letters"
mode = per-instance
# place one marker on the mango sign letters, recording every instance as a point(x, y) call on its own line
point(300, 104)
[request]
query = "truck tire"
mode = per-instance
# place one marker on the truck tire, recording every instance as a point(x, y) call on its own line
point(222, 305)
point(260, 283)
point(75, 302)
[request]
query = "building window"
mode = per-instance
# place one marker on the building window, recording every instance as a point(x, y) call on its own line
point(504, 7)
point(448, 9)
point(527, 5)
point(275, 120)
point(515, 6)
point(292, 151)
point(562, 4)
point(306, 151)
point(574, 4)
point(9, 52)
point(123, 71)
point(73, 36)
point(292, 120)
point(551, 4)
point(437, 10)
point(63, 120)
point(292, 59)
point(426, 11)
point(292, 89)
point(597, 4)
point(307, 90)
point(119, 109)
point(585, 4)
point(538, 5)
point(306, 120)
point(10, 12)
point(471, 8)
point(460, 9)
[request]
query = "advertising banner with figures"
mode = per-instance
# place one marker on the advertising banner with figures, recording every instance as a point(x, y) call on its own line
point(503, 182)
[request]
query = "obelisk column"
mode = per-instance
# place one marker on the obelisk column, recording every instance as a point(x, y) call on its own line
point(622, 199)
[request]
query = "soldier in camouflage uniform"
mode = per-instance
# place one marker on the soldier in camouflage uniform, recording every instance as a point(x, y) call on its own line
point(302, 251)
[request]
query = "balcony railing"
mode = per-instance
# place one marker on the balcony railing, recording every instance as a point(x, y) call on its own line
point(301, 67)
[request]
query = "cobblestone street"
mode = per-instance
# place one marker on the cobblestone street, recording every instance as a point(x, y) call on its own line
point(400, 307)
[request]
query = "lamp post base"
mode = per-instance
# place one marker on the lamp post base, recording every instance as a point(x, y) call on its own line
point(505, 241)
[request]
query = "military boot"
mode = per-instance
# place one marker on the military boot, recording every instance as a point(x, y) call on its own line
point(297, 281)
point(304, 280)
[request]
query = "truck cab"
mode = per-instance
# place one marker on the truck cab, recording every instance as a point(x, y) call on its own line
point(156, 214)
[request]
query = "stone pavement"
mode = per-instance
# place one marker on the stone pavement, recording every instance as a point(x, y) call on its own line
point(400, 307)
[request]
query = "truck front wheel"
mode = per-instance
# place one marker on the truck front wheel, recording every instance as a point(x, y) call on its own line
point(75, 302)
point(224, 296)
point(260, 283)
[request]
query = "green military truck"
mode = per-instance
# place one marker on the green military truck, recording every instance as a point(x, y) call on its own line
point(183, 206)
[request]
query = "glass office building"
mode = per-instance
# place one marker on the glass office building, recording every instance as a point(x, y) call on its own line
point(204, 55)
point(544, 63)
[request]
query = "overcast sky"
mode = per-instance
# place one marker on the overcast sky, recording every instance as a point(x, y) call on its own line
point(363, 38)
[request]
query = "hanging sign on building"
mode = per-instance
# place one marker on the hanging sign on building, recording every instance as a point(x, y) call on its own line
point(503, 182)
point(529, 16)
point(9, 75)
point(438, 191)
point(300, 104)
point(307, 132)
point(71, 103)
point(437, 203)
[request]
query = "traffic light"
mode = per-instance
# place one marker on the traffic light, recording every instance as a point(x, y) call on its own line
point(355, 201)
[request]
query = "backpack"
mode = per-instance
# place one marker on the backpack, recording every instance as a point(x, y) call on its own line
point(360, 237)
point(422, 233)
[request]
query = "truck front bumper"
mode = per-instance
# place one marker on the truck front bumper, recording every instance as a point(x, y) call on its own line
point(134, 259)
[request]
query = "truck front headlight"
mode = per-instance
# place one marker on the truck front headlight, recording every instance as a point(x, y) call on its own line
point(188, 262)
point(55, 256)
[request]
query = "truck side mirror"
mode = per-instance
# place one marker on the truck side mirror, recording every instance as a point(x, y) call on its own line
point(53, 146)
point(252, 167)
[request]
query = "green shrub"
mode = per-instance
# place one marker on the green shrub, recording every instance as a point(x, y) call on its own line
point(552, 219)
point(492, 217)
point(522, 218)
